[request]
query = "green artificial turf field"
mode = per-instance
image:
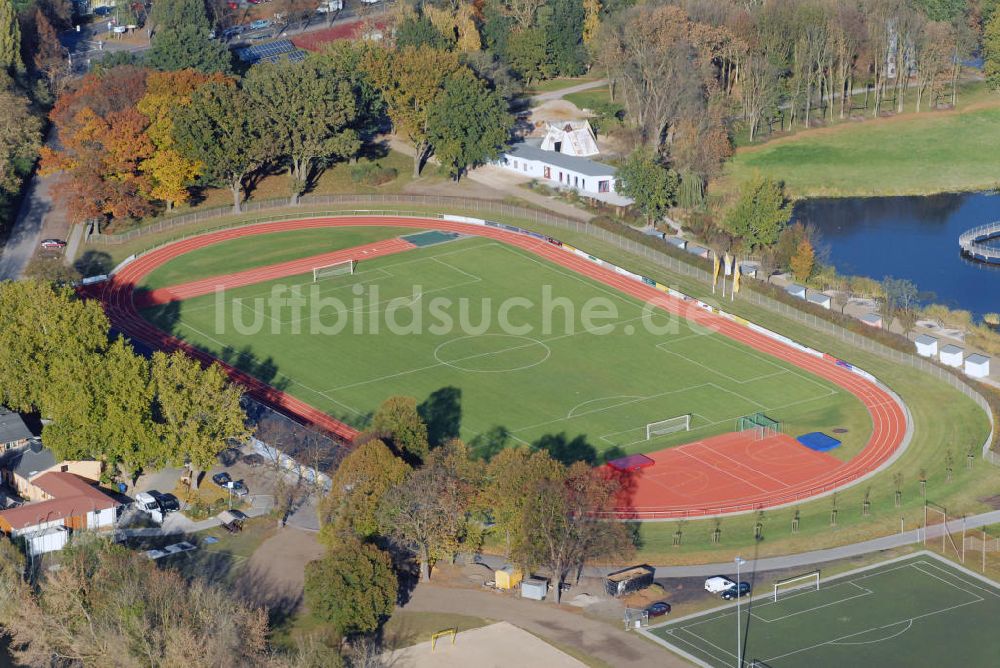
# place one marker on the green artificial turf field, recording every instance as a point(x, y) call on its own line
point(916, 611)
point(543, 378)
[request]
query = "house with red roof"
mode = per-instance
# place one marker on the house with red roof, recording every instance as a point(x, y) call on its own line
point(69, 503)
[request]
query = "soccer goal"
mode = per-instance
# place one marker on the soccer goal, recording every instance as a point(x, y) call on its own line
point(344, 268)
point(806, 581)
point(761, 425)
point(668, 426)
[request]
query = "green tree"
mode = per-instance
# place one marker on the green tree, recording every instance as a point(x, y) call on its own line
point(101, 407)
point(10, 39)
point(991, 51)
point(508, 475)
point(198, 407)
point(356, 490)
point(353, 587)
point(468, 123)
point(759, 214)
point(306, 116)
point(20, 138)
point(218, 129)
point(398, 422)
point(562, 21)
point(563, 528)
point(528, 54)
point(181, 39)
point(646, 180)
point(418, 31)
point(429, 512)
point(41, 324)
point(411, 80)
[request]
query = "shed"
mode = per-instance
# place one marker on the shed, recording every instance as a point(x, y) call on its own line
point(927, 346)
point(534, 588)
point(508, 577)
point(977, 366)
point(695, 249)
point(749, 269)
point(629, 579)
point(676, 242)
point(796, 290)
point(819, 299)
point(871, 319)
point(952, 355)
point(52, 539)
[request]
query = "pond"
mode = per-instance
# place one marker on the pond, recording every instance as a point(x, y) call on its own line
point(914, 238)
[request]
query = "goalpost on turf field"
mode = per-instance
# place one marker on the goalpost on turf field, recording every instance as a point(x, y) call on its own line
point(344, 268)
point(808, 580)
point(668, 426)
point(762, 426)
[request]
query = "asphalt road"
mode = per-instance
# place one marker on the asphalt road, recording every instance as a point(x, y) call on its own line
point(27, 231)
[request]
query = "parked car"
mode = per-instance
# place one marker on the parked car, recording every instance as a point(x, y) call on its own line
point(736, 591)
point(53, 243)
point(233, 5)
point(168, 502)
point(330, 6)
point(718, 584)
point(225, 481)
point(253, 459)
point(260, 24)
point(658, 609)
point(222, 479)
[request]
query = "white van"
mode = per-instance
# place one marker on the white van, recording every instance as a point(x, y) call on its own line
point(330, 6)
point(148, 504)
point(718, 584)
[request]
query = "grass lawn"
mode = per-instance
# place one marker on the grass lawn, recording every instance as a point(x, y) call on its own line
point(559, 83)
point(919, 610)
point(907, 155)
point(582, 390)
point(258, 251)
point(590, 99)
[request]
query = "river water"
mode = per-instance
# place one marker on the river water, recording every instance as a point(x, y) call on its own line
point(911, 237)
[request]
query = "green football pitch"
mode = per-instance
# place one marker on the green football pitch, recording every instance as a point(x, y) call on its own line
point(915, 611)
point(544, 375)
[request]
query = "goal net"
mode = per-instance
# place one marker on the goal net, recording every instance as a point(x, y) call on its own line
point(806, 581)
point(337, 269)
point(758, 423)
point(668, 426)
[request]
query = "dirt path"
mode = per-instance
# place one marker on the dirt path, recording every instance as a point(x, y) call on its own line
point(598, 639)
point(275, 574)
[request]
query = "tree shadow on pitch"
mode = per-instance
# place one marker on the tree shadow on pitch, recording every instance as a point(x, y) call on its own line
point(442, 413)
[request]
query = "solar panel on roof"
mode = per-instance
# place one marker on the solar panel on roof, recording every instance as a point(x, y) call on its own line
point(270, 51)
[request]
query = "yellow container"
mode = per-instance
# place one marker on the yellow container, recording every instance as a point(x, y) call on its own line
point(508, 577)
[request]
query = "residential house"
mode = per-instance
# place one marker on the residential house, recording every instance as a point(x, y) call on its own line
point(20, 468)
point(13, 432)
point(70, 504)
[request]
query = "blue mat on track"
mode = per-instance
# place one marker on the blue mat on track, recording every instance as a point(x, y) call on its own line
point(818, 441)
point(430, 237)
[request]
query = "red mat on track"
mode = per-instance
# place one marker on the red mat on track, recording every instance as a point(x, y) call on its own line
point(723, 474)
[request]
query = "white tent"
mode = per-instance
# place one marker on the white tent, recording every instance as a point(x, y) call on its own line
point(570, 138)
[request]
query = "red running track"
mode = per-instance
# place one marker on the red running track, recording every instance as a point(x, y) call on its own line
point(887, 415)
point(259, 274)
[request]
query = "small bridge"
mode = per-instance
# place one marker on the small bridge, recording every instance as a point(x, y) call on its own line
point(974, 243)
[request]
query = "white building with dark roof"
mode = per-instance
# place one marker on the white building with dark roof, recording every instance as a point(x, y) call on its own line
point(560, 160)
